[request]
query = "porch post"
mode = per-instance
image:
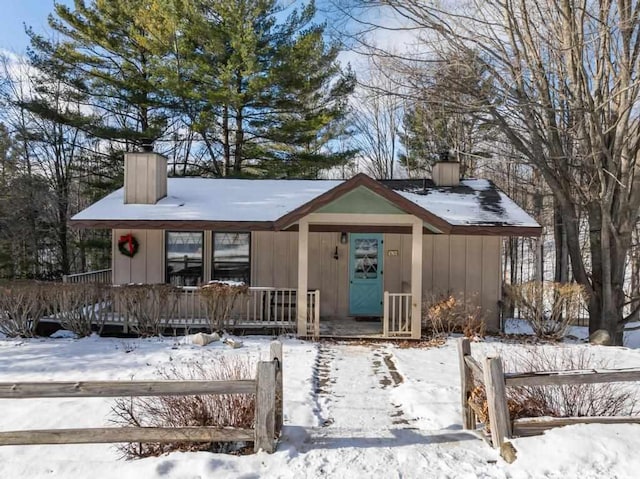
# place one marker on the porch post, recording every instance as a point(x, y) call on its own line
point(303, 274)
point(416, 278)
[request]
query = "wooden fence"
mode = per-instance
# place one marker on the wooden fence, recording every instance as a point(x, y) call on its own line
point(491, 375)
point(267, 388)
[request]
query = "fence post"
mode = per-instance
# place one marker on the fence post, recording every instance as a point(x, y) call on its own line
point(466, 384)
point(265, 407)
point(276, 355)
point(499, 420)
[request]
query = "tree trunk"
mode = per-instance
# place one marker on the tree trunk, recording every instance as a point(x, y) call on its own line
point(561, 272)
point(226, 146)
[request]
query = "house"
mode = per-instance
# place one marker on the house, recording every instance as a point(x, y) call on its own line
point(317, 253)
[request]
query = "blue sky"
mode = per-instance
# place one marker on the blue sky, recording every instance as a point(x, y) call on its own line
point(15, 13)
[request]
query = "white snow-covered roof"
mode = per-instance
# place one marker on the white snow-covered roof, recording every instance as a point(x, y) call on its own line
point(213, 199)
point(471, 203)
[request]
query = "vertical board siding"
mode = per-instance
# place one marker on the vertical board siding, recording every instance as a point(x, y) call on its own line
point(474, 263)
point(144, 267)
point(458, 267)
point(440, 265)
point(467, 266)
point(491, 280)
point(393, 265)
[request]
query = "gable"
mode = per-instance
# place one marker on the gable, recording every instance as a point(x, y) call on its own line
point(361, 200)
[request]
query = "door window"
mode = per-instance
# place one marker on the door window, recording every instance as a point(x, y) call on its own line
point(366, 258)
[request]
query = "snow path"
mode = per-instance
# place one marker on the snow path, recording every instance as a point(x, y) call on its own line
point(350, 377)
point(354, 389)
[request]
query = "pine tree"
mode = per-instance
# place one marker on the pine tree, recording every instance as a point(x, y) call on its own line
point(107, 55)
point(264, 91)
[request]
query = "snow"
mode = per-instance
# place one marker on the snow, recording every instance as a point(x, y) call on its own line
point(351, 411)
point(209, 199)
point(214, 199)
point(466, 209)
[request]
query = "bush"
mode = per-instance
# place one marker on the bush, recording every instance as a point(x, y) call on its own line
point(570, 400)
point(223, 410)
point(148, 307)
point(550, 308)
point(78, 307)
point(22, 305)
point(447, 315)
point(219, 298)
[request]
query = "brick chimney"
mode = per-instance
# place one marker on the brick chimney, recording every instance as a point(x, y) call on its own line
point(145, 177)
point(446, 173)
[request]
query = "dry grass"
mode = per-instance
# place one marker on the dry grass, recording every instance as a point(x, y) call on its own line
point(22, 305)
point(223, 410)
point(570, 400)
point(550, 308)
point(444, 316)
point(219, 299)
point(148, 306)
point(79, 307)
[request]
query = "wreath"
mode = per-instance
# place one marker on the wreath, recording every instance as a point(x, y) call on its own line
point(128, 245)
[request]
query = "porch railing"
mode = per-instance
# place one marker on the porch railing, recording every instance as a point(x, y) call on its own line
point(101, 276)
point(397, 315)
point(260, 307)
point(313, 313)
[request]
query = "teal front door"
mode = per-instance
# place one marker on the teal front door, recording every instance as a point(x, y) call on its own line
point(365, 274)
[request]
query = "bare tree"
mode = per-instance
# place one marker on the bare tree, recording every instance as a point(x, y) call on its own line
point(564, 91)
point(377, 117)
point(51, 152)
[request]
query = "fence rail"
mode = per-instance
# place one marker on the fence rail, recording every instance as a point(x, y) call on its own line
point(396, 315)
point(267, 388)
point(491, 375)
point(102, 276)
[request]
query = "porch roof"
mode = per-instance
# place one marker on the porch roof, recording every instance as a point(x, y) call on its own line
point(473, 207)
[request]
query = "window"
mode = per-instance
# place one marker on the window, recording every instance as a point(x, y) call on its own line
point(366, 258)
point(231, 257)
point(184, 257)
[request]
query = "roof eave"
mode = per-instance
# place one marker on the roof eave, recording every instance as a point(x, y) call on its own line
point(178, 225)
point(496, 230)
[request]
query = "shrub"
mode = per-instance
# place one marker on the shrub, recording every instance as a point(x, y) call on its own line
point(22, 305)
point(149, 307)
point(448, 315)
point(222, 410)
point(219, 298)
point(569, 400)
point(78, 307)
point(550, 308)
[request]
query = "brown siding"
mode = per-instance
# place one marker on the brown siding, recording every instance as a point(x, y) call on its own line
point(145, 177)
point(147, 265)
point(466, 266)
point(275, 263)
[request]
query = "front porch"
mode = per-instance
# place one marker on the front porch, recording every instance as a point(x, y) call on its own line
point(270, 309)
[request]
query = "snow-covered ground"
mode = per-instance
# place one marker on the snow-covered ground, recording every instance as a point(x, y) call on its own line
point(351, 411)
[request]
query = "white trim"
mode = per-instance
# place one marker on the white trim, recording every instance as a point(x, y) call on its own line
point(416, 279)
point(361, 219)
point(303, 275)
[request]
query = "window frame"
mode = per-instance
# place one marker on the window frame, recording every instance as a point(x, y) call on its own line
point(213, 253)
point(166, 251)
